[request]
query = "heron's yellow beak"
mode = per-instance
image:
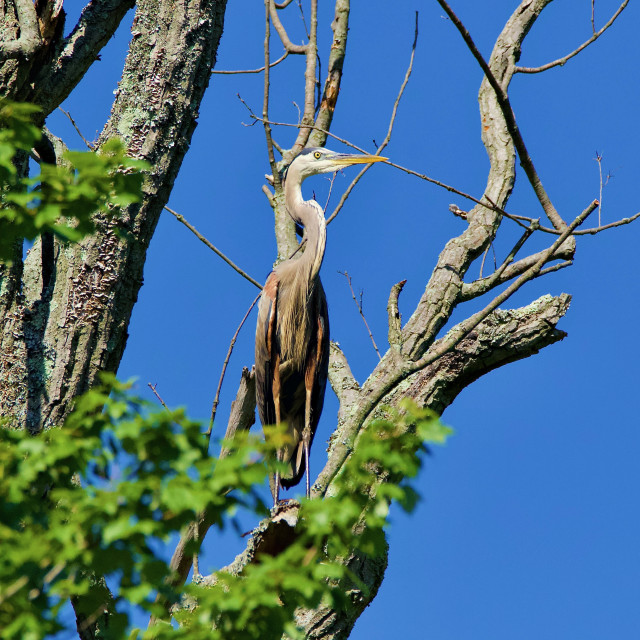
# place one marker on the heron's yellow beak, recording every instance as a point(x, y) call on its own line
point(348, 160)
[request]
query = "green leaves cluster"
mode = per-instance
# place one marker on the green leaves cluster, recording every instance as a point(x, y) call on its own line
point(145, 474)
point(61, 199)
point(96, 496)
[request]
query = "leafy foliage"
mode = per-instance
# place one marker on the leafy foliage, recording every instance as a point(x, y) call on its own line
point(61, 199)
point(145, 474)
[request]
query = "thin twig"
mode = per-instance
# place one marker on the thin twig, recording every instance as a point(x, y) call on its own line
point(219, 253)
point(561, 61)
point(271, 65)
point(153, 388)
point(510, 121)
point(269, 9)
point(593, 16)
point(311, 50)
point(485, 284)
point(387, 138)
point(216, 400)
point(75, 126)
point(599, 161)
point(556, 267)
point(603, 184)
point(333, 178)
point(359, 305)
point(304, 22)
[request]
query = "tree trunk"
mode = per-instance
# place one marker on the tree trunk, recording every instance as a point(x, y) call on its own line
point(66, 309)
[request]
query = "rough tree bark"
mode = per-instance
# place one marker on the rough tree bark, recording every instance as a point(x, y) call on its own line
point(65, 309)
point(65, 312)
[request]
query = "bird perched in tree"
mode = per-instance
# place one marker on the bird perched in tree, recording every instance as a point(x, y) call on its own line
point(292, 333)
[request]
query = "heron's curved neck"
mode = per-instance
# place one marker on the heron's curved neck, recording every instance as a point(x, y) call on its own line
point(309, 214)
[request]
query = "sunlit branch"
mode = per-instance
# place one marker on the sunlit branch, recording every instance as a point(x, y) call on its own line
point(360, 311)
point(219, 253)
point(561, 61)
point(271, 65)
point(216, 400)
point(284, 38)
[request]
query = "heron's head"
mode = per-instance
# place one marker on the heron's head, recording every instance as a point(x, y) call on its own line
point(314, 160)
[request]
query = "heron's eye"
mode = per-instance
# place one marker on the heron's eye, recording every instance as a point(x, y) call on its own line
point(317, 155)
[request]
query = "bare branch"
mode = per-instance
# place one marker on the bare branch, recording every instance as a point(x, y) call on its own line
point(265, 101)
point(510, 120)
point(271, 65)
point(304, 22)
point(88, 144)
point(337, 53)
point(495, 277)
point(359, 305)
point(378, 386)
point(216, 400)
point(153, 388)
point(604, 227)
point(556, 267)
point(578, 232)
point(504, 336)
point(284, 38)
point(387, 138)
point(333, 179)
point(311, 51)
point(561, 61)
point(282, 5)
point(219, 253)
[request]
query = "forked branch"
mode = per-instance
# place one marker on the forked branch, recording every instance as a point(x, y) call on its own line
point(510, 120)
point(284, 38)
point(561, 61)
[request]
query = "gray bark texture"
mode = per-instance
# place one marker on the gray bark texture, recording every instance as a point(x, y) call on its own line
point(65, 309)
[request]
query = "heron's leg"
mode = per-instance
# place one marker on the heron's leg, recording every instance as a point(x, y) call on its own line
point(276, 404)
point(306, 434)
point(306, 461)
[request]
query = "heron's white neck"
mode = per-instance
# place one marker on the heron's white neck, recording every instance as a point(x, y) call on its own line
point(309, 214)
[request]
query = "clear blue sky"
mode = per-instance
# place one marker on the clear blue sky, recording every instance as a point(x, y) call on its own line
point(529, 523)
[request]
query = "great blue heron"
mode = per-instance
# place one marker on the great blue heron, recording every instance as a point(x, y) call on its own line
point(292, 333)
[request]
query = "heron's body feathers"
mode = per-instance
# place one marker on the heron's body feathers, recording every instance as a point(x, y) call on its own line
point(305, 358)
point(292, 334)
